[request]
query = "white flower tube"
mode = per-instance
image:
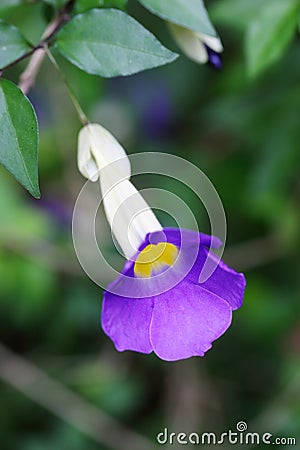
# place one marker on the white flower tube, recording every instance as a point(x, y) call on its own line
point(97, 148)
point(194, 44)
point(100, 156)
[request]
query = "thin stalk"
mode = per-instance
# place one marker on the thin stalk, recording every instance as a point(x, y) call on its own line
point(83, 118)
point(21, 58)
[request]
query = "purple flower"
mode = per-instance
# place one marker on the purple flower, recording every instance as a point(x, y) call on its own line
point(184, 320)
point(173, 296)
point(213, 58)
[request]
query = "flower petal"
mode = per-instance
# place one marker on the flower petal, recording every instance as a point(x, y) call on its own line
point(224, 281)
point(128, 214)
point(213, 42)
point(127, 321)
point(101, 156)
point(97, 149)
point(189, 42)
point(186, 320)
point(86, 163)
point(175, 236)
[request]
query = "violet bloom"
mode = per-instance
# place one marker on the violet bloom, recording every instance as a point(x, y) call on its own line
point(158, 302)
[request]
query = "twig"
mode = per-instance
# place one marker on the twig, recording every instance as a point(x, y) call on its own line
point(254, 253)
point(28, 77)
point(16, 61)
point(65, 404)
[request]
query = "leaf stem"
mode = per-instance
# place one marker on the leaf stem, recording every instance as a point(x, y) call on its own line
point(37, 53)
point(26, 55)
point(83, 118)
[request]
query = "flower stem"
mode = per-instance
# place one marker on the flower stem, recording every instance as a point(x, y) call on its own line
point(83, 118)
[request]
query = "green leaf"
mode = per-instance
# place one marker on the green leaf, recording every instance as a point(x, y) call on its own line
point(190, 14)
point(119, 4)
point(270, 33)
point(18, 136)
point(8, 5)
point(56, 3)
point(12, 44)
point(82, 6)
point(110, 43)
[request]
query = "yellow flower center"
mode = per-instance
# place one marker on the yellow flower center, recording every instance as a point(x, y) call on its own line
point(154, 258)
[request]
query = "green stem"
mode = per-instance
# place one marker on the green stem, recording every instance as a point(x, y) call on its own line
point(83, 118)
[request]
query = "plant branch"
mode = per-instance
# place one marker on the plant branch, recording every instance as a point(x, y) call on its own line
point(37, 52)
point(26, 55)
point(67, 405)
point(28, 77)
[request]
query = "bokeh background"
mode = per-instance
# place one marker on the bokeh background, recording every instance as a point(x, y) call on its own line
point(71, 390)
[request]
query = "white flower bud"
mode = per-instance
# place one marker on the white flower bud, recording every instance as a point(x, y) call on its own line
point(193, 43)
point(97, 148)
point(100, 156)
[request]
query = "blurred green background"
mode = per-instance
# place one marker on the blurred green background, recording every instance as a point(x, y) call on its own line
point(244, 134)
